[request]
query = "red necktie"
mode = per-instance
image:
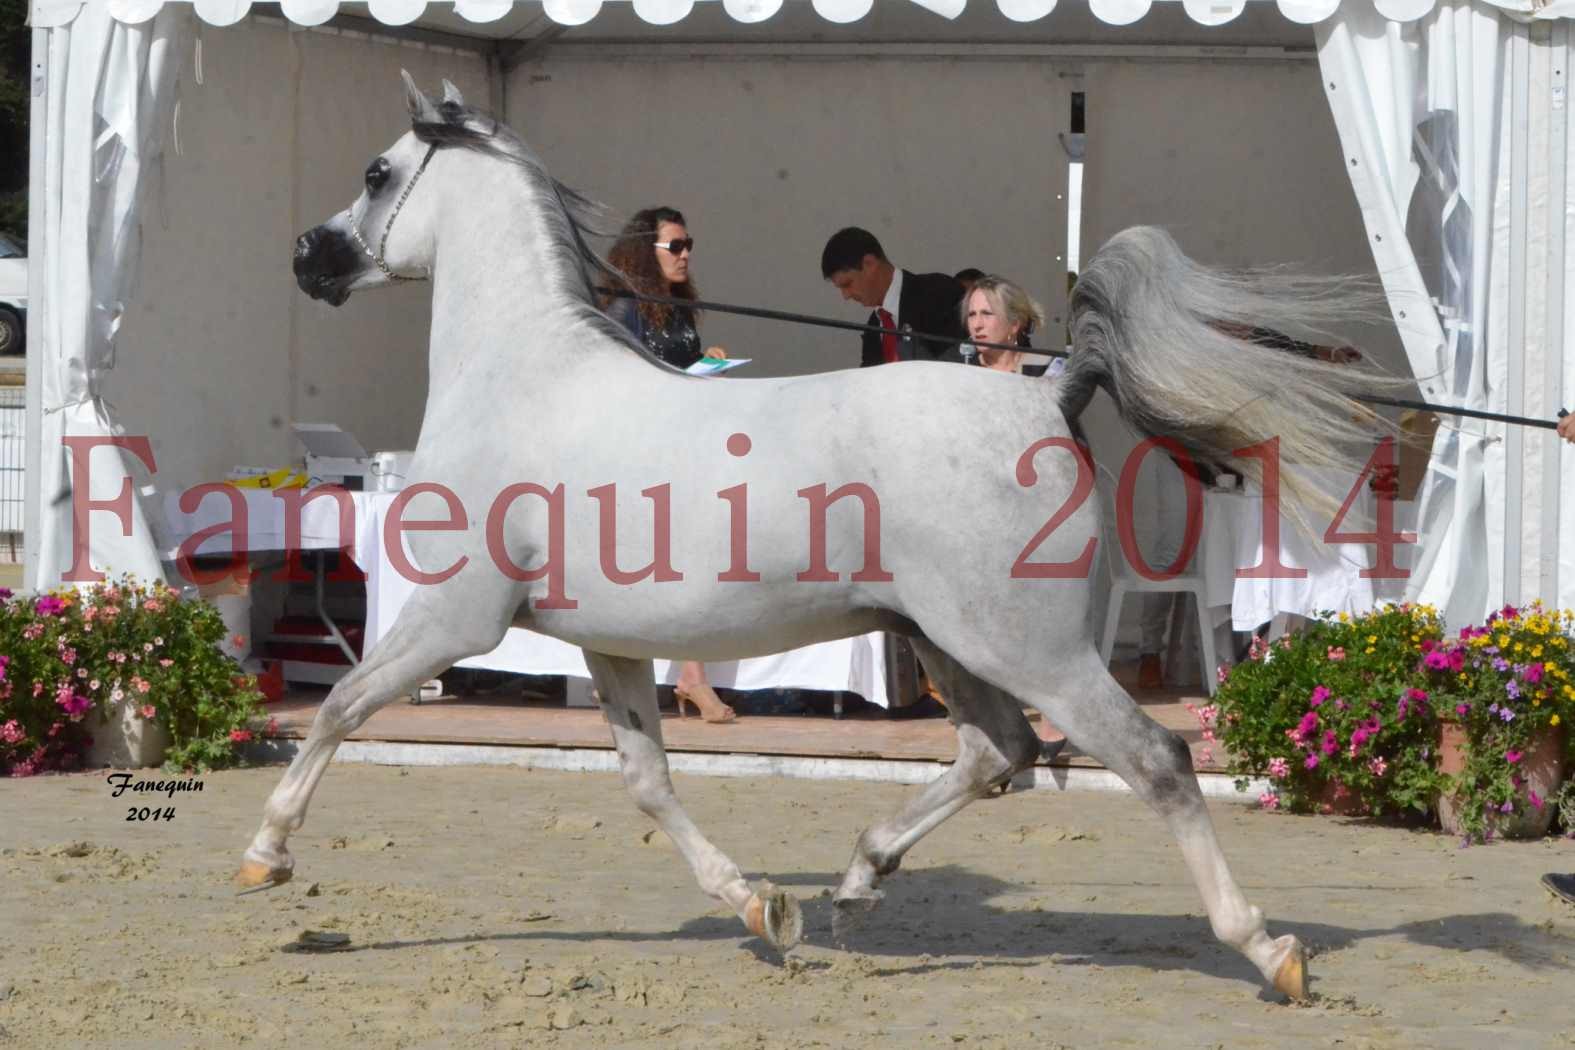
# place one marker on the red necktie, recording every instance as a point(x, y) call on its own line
point(888, 340)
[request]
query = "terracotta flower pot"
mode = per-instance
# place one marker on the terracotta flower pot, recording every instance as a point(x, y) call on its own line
point(126, 740)
point(1337, 800)
point(1542, 765)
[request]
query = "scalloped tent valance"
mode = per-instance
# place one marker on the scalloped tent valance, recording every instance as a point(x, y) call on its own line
point(49, 13)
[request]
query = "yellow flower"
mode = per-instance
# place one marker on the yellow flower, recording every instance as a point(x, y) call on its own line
point(1371, 639)
point(1369, 649)
point(1343, 618)
point(1536, 651)
point(1503, 640)
point(1553, 721)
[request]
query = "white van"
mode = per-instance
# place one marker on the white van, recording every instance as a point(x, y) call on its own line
point(13, 296)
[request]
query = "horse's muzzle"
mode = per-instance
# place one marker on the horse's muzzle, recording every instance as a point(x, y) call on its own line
point(325, 264)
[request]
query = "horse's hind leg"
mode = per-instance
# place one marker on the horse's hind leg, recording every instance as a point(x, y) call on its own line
point(627, 689)
point(415, 650)
point(994, 742)
point(1081, 698)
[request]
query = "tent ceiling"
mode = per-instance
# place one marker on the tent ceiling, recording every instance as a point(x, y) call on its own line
point(474, 16)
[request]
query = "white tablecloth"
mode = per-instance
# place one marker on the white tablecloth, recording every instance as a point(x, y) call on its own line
point(855, 664)
point(1233, 540)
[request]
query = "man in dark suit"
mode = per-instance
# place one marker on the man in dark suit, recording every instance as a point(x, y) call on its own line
point(924, 303)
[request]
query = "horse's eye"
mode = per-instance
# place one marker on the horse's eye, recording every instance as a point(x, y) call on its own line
point(377, 174)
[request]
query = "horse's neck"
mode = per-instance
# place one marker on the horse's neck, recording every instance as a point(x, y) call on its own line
point(499, 304)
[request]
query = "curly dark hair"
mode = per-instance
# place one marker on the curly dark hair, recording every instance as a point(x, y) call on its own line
point(634, 256)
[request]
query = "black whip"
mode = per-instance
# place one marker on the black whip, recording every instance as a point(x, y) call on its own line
point(854, 326)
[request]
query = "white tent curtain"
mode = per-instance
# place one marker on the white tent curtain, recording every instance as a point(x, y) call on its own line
point(1425, 114)
point(110, 93)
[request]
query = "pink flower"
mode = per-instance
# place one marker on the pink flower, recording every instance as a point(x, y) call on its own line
point(1279, 769)
point(1331, 742)
point(147, 647)
point(149, 711)
point(1512, 757)
point(32, 631)
point(38, 687)
point(68, 655)
point(1436, 660)
point(1536, 799)
point(49, 605)
point(1319, 695)
point(240, 736)
point(1221, 673)
point(152, 605)
point(239, 641)
point(93, 684)
point(1377, 765)
point(1462, 709)
point(140, 684)
point(158, 640)
point(1336, 653)
point(166, 662)
point(1269, 800)
point(1312, 760)
point(75, 705)
point(11, 732)
point(117, 694)
point(1533, 673)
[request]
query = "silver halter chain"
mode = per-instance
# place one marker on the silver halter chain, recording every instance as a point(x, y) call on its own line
point(382, 245)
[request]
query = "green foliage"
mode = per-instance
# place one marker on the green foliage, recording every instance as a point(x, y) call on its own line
point(71, 653)
point(1333, 714)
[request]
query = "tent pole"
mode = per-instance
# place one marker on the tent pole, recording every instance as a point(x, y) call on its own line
point(39, 245)
point(1558, 263)
point(1514, 381)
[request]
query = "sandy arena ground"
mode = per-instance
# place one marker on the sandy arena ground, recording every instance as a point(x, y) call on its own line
point(502, 907)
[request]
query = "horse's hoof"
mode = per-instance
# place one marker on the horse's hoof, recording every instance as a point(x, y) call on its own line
point(256, 876)
point(1291, 978)
point(774, 916)
point(849, 913)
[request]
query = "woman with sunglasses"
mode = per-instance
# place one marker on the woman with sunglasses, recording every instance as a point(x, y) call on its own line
point(653, 253)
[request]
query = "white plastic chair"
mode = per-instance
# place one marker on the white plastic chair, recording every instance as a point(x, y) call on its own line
point(1124, 579)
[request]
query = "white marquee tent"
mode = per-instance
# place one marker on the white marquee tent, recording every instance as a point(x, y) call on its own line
point(1452, 124)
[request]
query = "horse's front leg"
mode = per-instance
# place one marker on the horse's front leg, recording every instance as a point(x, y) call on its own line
point(415, 650)
point(627, 689)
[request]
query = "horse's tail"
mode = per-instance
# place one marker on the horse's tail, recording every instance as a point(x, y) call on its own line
point(1172, 342)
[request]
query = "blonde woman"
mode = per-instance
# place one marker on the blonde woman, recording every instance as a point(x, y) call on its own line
point(999, 311)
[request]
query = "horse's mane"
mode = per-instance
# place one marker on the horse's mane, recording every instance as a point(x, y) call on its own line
point(567, 215)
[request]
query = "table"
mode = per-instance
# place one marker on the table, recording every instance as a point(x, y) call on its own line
point(856, 665)
point(1233, 539)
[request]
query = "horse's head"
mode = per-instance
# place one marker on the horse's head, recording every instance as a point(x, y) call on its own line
point(386, 235)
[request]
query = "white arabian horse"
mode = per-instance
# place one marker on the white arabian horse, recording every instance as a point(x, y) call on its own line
point(801, 509)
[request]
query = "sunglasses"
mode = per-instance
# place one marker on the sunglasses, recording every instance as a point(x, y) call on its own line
point(678, 247)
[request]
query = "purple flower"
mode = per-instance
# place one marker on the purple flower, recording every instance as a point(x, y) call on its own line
point(48, 605)
point(1500, 664)
point(1507, 807)
point(1491, 650)
point(1506, 714)
point(5, 594)
point(1513, 690)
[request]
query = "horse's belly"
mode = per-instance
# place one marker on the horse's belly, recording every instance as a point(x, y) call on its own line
point(692, 639)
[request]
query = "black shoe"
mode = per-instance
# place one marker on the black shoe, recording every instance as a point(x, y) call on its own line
point(926, 707)
point(1561, 885)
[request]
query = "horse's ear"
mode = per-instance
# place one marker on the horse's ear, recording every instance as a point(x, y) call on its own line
point(451, 94)
point(422, 111)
